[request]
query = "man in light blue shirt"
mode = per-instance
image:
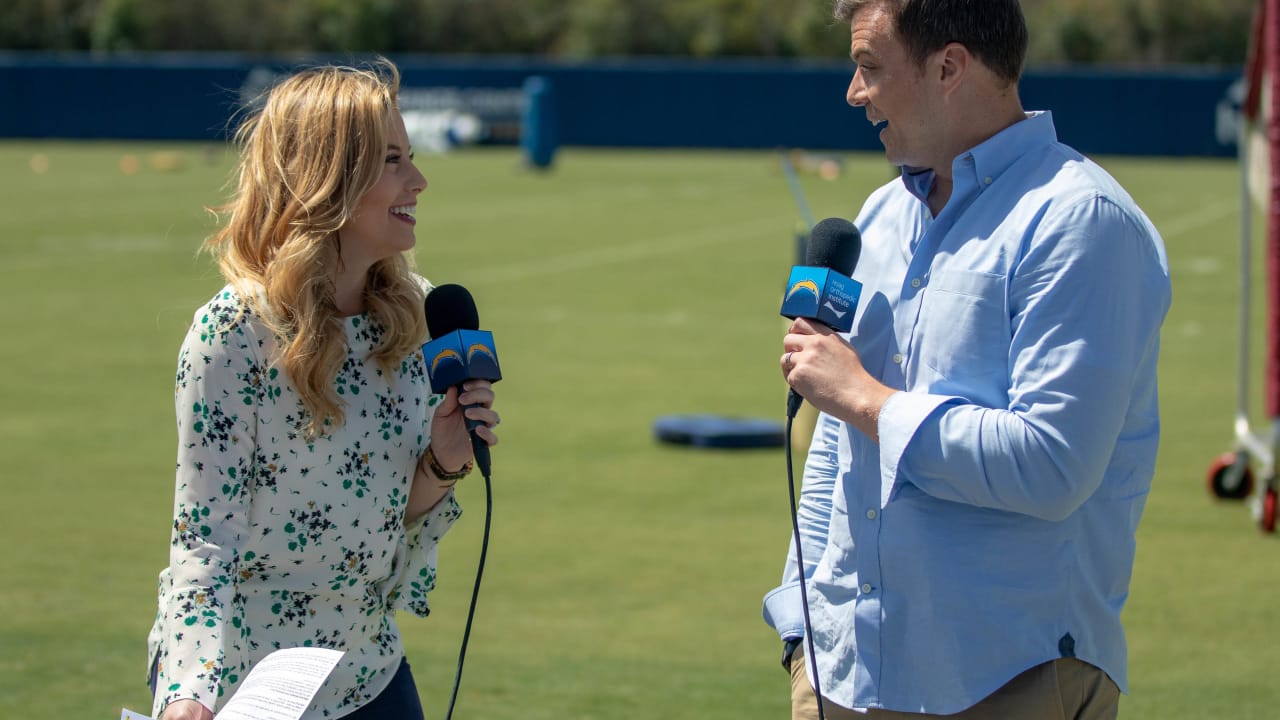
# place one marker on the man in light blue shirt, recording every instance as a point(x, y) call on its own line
point(988, 429)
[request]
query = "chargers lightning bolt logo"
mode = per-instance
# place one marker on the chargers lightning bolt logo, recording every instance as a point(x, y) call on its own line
point(808, 286)
point(482, 350)
point(445, 355)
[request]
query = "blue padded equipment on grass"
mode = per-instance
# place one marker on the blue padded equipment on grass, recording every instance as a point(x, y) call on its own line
point(714, 431)
point(538, 132)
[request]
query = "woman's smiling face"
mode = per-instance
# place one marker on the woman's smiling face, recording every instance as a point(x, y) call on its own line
point(382, 223)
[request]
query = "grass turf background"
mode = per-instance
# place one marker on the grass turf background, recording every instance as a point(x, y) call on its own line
point(624, 576)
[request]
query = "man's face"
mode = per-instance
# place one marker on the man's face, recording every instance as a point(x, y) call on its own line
point(893, 90)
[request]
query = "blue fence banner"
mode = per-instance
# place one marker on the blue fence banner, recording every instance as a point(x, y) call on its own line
point(671, 103)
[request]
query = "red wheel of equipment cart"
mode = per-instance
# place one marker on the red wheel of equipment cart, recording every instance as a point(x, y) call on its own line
point(1230, 477)
point(1268, 520)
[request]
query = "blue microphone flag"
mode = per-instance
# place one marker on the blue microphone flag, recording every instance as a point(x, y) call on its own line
point(821, 294)
point(461, 355)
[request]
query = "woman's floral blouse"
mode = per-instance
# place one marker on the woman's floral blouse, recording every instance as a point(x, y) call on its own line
point(280, 542)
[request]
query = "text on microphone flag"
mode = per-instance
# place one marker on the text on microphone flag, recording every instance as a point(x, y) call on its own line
point(822, 294)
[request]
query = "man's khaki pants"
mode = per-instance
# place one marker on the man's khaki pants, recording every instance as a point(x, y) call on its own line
point(1063, 689)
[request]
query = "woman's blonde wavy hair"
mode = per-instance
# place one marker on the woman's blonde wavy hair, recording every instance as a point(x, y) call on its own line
point(316, 146)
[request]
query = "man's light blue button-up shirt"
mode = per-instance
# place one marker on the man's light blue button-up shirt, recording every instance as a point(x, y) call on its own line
point(992, 528)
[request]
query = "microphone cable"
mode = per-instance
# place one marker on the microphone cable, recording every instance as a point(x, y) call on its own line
point(475, 591)
point(450, 308)
point(834, 244)
point(792, 406)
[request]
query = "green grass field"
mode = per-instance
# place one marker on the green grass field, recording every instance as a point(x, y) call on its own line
point(624, 576)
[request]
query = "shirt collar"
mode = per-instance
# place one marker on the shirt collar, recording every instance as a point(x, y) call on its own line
point(987, 160)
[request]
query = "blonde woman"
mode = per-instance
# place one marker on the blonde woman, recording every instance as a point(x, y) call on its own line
point(315, 467)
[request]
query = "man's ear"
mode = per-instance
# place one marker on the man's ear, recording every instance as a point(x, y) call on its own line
point(952, 63)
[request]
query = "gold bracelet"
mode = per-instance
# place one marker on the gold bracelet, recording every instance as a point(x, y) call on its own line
point(443, 475)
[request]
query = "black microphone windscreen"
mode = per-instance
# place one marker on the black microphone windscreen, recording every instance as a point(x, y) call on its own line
point(449, 308)
point(834, 243)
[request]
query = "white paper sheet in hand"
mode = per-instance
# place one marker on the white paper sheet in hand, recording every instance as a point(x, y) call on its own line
point(279, 687)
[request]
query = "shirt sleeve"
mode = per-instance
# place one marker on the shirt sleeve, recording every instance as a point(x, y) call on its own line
point(783, 606)
point(1086, 302)
point(416, 556)
point(216, 395)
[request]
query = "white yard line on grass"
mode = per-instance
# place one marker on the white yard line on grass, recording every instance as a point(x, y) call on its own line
point(1201, 217)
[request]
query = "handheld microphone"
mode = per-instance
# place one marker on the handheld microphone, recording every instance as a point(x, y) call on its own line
point(459, 351)
point(822, 288)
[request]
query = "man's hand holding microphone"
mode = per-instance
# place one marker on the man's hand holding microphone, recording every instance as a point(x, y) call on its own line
point(822, 299)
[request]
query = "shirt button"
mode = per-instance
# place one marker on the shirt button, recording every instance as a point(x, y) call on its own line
point(897, 358)
point(866, 588)
point(915, 282)
point(987, 180)
point(871, 514)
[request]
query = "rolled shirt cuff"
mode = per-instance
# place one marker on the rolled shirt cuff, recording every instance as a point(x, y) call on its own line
point(900, 419)
point(784, 611)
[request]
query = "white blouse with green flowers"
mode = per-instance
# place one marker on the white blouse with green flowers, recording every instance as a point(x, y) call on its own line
point(278, 541)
